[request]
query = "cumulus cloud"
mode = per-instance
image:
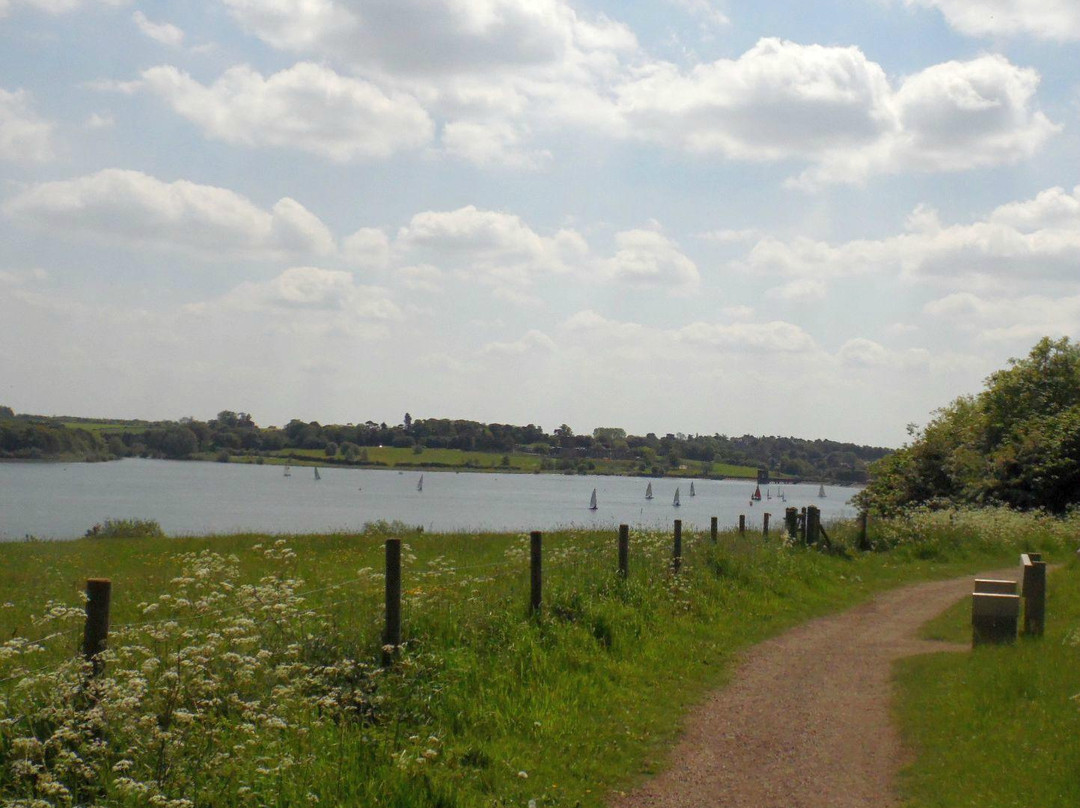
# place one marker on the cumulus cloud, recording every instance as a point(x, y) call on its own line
point(649, 258)
point(1016, 319)
point(1036, 239)
point(23, 135)
point(532, 341)
point(834, 108)
point(163, 32)
point(307, 107)
point(368, 247)
point(1046, 19)
point(492, 144)
point(135, 209)
point(424, 37)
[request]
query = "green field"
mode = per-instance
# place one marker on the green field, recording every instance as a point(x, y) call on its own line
point(244, 670)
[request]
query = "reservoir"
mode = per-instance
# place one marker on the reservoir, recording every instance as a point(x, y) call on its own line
point(63, 500)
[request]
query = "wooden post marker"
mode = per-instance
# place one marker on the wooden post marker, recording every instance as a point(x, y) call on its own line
point(802, 526)
point(791, 522)
point(676, 554)
point(765, 525)
point(813, 521)
point(712, 529)
point(1034, 594)
point(742, 523)
point(392, 636)
point(624, 551)
point(96, 631)
point(864, 541)
point(536, 576)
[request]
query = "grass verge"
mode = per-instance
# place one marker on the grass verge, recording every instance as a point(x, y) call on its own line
point(998, 726)
point(244, 670)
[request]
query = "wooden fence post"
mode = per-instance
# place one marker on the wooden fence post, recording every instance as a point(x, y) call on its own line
point(392, 637)
point(864, 541)
point(791, 522)
point(536, 578)
point(96, 630)
point(712, 529)
point(742, 523)
point(676, 555)
point(1034, 592)
point(624, 551)
point(813, 520)
point(803, 536)
point(765, 525)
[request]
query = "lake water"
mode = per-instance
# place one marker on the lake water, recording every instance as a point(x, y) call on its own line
point(61, 501)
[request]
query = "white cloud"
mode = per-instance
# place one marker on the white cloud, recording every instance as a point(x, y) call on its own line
point(422, 278)
point(135, 209)
point(649, 258)
point(801, 289)
point(1046, 19)
point(864, 353)
point(311, 289)
point(97, 120)
point(23, 135)
point(532, 341)
point(432, 36)
point(836, 109)
point(1017, 319)
point(165, 33)
point(368, 247)
point(1016, 244)
point(704, 10)
point(492, 144)
point(306, 107)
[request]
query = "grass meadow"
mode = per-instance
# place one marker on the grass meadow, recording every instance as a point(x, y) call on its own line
point(246, 670)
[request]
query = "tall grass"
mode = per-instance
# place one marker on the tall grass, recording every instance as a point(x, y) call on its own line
point(244, 670)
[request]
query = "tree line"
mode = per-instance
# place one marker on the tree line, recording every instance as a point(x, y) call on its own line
point(236, 433)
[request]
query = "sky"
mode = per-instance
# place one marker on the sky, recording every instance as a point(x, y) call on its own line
point(817, 218)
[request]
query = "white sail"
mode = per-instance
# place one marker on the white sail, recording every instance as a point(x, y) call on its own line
point(648, 491)
point(592, 502)
point(675, 502)
point(692, 489)
point(420, 483)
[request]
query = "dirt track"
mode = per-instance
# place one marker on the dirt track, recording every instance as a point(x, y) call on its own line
point(805, 722)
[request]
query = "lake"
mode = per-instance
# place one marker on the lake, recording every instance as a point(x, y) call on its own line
point(63, 500)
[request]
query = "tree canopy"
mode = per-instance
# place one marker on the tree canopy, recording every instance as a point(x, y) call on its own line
point(1016, 443)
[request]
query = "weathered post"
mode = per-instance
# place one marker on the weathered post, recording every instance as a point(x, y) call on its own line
point(96, 630)
point(676, 554)
point(765, 525)
point(624, 551)
point(392, 636)
point(536, 578)
point(1034, 590)
point(802, 526)
point(864, 541)
point(791, 522)
point(813, 522)
point(712, 529)
point(742, 523)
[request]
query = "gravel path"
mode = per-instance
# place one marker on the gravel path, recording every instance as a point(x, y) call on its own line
point(805, 722)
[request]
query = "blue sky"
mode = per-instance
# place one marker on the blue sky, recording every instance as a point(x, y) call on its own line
point(822, 219)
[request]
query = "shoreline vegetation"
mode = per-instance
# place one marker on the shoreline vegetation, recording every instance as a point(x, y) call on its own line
point(437, 444)
point(247, 669)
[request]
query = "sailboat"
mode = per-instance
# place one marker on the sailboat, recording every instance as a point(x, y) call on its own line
point(757, 493)
point(648, 491)
point(592, 502)
point(420, 483)
point(675, 502)
point(692, 489)
point(821, 491)
point(288, 470)
point(317, 477)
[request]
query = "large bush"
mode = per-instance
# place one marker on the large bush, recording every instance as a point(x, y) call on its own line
point(1016, 443)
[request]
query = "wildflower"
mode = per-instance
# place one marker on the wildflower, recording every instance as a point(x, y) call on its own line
point(523, 775)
